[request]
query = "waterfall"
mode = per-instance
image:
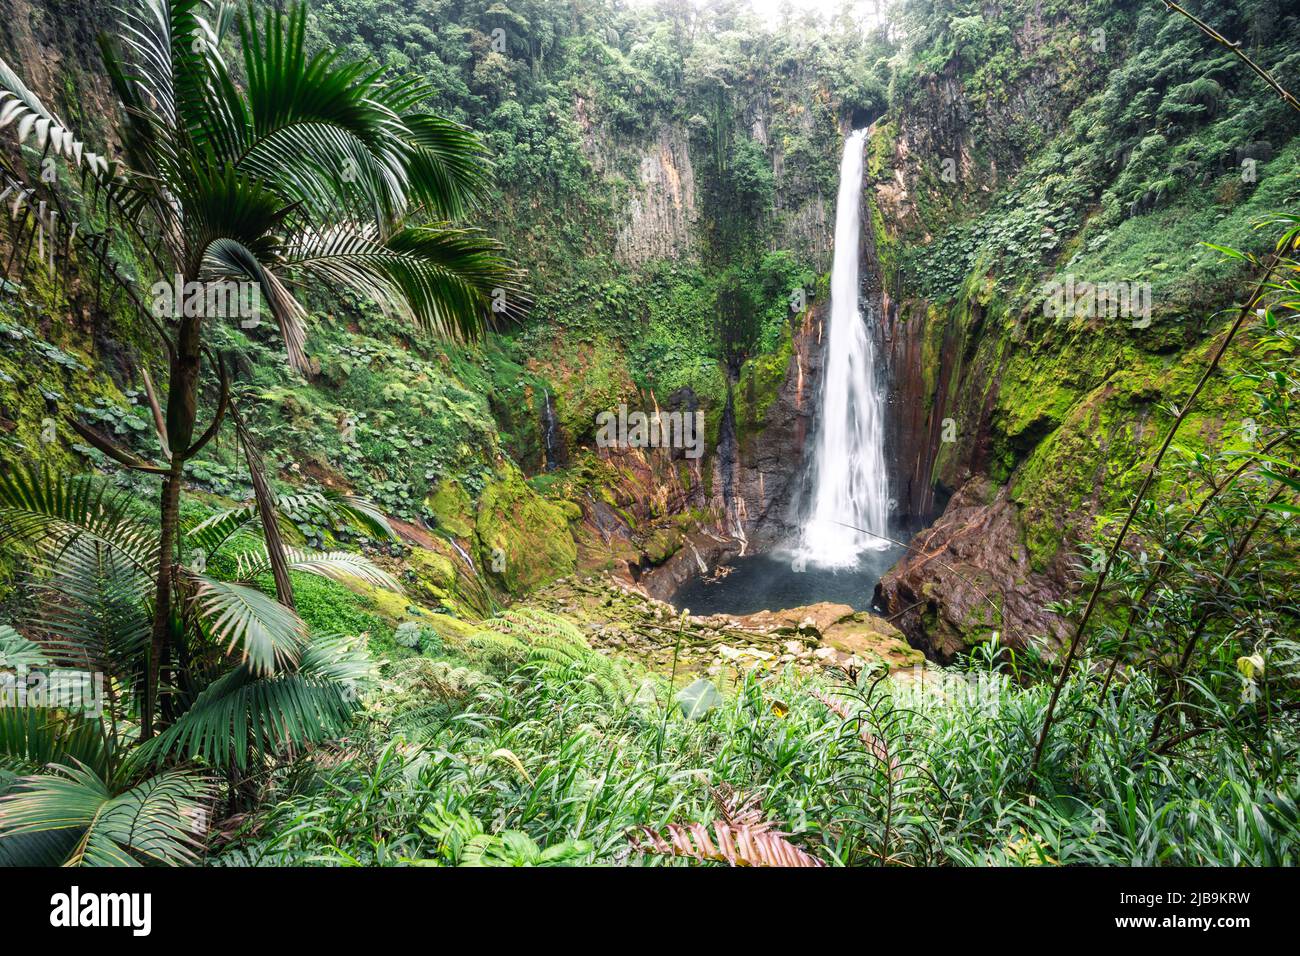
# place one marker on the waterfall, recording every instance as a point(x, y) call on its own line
point(548, 432)
point(850, 485)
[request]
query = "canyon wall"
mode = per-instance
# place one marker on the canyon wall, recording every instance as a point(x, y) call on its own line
point(1026, 429)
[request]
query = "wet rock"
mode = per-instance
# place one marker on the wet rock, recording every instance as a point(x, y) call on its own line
point(868, 637)
point(969, 577)
point(700, 549)
point(811, 621)
point(775, 402)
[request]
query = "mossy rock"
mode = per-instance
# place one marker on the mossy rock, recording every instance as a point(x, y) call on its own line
point(432, 569)
point(451, 507)
point(662, 544)
point(869, 636)
point(390, 605)
point(451, 630)
point(433, 579)
point(760, 382)
point(524, 540)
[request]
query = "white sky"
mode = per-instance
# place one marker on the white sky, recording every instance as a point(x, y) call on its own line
point(770, 10)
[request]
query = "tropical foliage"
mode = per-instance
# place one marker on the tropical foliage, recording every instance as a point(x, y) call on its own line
point(218, 649)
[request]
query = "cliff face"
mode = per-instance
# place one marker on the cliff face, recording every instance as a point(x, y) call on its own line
point(759, 468)
point(661, 215)
point(946, 157)
point(658, 192)
point(1036, 426)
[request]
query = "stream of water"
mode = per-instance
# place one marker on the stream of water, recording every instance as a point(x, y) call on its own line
point(843, 546)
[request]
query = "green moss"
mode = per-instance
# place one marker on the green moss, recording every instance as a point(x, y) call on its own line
point(662, 544)
point(523, 540)
point(759, 383)
point(328, 607)
point(452, 509)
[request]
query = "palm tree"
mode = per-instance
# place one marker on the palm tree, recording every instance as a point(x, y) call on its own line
point(302, 172)
point(77, 785)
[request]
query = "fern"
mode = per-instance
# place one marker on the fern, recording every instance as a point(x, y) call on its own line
point(557, 652)
point(427, 693)
point(742, 837)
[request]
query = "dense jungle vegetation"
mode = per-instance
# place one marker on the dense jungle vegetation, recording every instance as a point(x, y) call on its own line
point(347, 580)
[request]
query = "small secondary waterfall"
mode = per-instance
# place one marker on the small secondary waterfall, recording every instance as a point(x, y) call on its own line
point(850, 484)
point(551, 456)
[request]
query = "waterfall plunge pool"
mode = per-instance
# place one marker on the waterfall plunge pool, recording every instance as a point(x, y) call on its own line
point(769, 582)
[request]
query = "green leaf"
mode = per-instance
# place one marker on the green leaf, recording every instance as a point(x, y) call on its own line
point(17, 651)
point(158, 820)
point(698, 699)
point(269, 635)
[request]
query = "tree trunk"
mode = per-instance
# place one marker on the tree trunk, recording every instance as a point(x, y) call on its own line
point(182, 411)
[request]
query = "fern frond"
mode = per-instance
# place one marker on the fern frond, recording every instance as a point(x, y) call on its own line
point(556, 650)
point(741, 838)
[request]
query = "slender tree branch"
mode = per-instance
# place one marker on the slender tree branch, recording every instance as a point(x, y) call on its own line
point(1159, 573)
point(1075, 642)
point(1235, 47)
point(1177, 676)
point(119, 455)
point(159, 424)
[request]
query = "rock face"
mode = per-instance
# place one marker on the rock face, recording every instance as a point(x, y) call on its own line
point(662, 206)
point(693, 553)
point(661, 211)
point(759, 487)
point(969, 577)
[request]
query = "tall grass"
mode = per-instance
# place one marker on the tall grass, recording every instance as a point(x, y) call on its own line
point(948, 766)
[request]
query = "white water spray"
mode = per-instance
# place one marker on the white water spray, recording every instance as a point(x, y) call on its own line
point(851, 486)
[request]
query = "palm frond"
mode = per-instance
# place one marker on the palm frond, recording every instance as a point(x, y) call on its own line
point(40, 508)
point(231, 257)
point(448, 165)
point(31, 737)
point(17, 651)
point(337, 510)
point(447, 279)
point(241, 714)
point(341, 566)
point(269, 636)
point(19, 105)
point(361, 513)
point(214, 531)
point(92, 609)
point(160, 820)
point(319, 132)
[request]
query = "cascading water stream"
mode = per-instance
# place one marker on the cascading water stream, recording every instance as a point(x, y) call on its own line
point(850, 484)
